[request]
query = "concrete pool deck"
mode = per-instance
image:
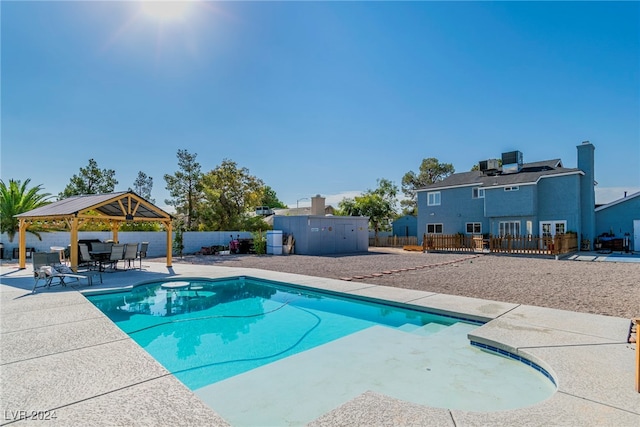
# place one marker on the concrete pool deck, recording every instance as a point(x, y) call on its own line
point(60, 355)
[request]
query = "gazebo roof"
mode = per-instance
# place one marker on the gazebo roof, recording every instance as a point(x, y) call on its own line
point(125, 205)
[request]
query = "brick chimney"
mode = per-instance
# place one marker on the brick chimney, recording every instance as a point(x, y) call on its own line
point(317, 205)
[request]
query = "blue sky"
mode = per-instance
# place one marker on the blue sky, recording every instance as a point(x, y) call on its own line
point(317, 97)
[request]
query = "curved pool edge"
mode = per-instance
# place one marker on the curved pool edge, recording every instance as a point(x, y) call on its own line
point(520, 331)
point(589, 356)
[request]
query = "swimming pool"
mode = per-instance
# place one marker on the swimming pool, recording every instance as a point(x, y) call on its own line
point(263, 352)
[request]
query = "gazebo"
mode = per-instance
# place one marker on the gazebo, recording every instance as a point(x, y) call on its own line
point(114, 208)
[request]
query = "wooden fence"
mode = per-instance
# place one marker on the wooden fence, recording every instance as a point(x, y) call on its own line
point(559, 244)
point(393, 241)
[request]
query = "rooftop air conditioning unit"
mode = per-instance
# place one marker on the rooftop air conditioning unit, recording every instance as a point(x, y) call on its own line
point(512, 157)
point(489, 165)
point(511, 162)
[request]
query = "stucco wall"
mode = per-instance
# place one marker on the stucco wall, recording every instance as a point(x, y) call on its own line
point(192, 240)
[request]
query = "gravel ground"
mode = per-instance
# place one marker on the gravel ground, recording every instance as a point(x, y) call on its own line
point(608, 288)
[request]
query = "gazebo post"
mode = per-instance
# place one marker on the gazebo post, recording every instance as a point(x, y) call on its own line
point(73, 251)
point(115, 225)
point(22, 243)
point(169, 242)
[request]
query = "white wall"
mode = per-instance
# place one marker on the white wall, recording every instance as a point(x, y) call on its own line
point(192, 240)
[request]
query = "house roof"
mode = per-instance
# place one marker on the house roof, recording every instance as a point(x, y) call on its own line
point(301, 211)
point(616, 202)
point(530, 173)
point(109, 206)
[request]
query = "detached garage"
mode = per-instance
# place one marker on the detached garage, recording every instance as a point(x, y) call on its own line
point(620, 220)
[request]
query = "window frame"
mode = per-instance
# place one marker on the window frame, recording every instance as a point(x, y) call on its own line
point(435, 228)
point(477, 193)
point(512, 188)
point(503, 225)
point(473, 227)
point(434, 195)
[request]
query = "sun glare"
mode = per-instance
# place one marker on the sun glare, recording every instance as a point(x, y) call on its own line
point(165, 10)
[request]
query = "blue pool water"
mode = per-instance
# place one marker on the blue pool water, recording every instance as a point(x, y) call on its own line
point(212, 330)
point(232, 340)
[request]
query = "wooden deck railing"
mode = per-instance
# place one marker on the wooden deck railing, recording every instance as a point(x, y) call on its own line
point(559, 244)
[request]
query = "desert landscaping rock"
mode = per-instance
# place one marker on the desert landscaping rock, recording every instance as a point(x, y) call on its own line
point(607, 288)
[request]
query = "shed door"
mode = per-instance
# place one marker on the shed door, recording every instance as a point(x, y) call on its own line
point(345, 238)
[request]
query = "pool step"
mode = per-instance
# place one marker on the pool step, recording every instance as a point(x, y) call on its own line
point(425, 330)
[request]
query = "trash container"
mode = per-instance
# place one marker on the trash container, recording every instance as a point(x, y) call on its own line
point(274, 242)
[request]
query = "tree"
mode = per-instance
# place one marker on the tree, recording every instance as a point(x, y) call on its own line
point(254, 223)
point(90, 180)
point(431, 171)
point(16, 199)
point(379, 205)
point(229, 192)
point(142, 186)
point(186, 188)
point(269, 198)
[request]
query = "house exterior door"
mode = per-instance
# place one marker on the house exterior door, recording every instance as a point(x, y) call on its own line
point(551, 228)
point(548, 229)
point(636, 235)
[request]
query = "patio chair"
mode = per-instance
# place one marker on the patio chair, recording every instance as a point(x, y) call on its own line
point(117, 254)
point(130, 254)
point(86, 260)
point(46, 266)
point(142, 253)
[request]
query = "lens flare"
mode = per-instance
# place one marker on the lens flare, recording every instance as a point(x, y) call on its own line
point(165, 11)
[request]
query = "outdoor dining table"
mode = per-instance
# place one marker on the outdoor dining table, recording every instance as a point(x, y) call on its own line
point(100, 256)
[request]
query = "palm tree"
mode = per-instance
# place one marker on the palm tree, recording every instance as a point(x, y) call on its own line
point(16, 199)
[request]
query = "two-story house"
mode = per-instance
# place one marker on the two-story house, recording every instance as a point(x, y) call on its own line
point(540, 198)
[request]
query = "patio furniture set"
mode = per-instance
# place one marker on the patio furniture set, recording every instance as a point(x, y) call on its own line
point(106, 256)
point(100, 258)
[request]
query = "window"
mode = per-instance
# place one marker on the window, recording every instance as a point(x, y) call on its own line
point(433, 198)
point(512, 188)
point(477, 193)
point(434, 228)
point(551, 228)
point(474, 228)
point(511, 228)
